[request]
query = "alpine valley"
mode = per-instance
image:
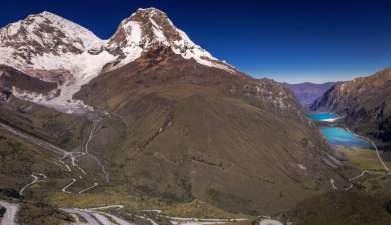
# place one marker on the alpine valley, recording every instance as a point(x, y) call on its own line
point(365, 102)
point(148, 127)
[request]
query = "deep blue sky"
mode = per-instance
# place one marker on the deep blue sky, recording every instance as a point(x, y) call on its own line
point(286, 40)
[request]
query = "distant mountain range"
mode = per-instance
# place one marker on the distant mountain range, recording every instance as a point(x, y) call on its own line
point(307, 92)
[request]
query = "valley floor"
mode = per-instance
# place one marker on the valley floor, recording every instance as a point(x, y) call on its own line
point(73, 195)
point(365, 201)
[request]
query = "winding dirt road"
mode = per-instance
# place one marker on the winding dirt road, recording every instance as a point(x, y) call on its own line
point(35, 180)
point(96, 217)
point(363, 172)
point(89, 188)
point(62, 153)
point(64, 189)
point(9, 217)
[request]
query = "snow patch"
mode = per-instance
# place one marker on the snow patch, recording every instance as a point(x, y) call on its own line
point(13, 28)
point(84, 67)
point(301, 166)
point(158, 33)
point(188, 49)
point(133, 49)
point(71, 29)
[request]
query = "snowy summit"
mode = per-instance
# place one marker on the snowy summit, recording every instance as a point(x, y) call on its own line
point(53, 49)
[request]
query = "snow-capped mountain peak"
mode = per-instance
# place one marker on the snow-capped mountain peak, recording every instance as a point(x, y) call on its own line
point(54, 49)
point(150, 28)
point(47, 33)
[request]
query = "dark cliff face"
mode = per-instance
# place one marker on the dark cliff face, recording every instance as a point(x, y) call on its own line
point(366, 103)
point(10, 78)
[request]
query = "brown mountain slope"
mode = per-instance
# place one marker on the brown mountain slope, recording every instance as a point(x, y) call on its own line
point(201, 132)
point(366, 103)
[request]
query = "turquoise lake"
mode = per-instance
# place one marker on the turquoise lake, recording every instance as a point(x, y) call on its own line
point(322, 116)
point(337, 136)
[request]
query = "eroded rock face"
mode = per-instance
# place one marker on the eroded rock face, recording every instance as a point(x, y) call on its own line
point(365, 102)
point(15, 82)
point(11, 78)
